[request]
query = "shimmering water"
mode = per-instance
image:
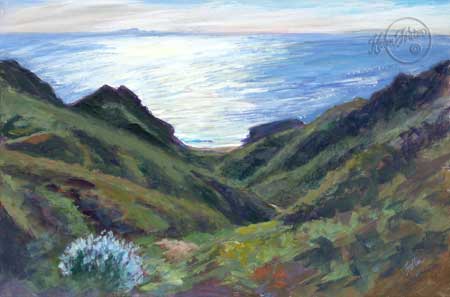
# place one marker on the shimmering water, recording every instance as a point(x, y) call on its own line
point(212, 88)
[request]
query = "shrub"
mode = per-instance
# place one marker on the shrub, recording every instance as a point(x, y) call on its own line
point(112, 261)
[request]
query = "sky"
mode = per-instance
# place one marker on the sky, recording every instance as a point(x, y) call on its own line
point(218, 16)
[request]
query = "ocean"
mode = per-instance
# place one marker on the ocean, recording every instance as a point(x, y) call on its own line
point(213, 88)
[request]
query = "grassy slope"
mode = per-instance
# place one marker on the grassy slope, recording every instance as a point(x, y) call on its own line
point(51, 126)
point(258, 162)
point(283, 167)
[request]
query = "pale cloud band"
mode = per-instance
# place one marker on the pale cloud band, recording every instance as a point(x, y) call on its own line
point(216, 16)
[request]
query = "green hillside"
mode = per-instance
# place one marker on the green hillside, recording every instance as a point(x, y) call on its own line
point(283, 167)
point(123, 109)
point(353, 204)
point(66, 173)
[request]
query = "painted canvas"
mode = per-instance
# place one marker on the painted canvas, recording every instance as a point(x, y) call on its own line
point(212, 148)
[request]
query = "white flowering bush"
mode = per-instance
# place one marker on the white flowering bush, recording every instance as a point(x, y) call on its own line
point(113, 261)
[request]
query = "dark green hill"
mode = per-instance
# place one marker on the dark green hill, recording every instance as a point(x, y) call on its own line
point(26, 81)
point(123, 109)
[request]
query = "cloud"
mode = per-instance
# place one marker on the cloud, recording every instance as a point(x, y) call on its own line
point(216, 16)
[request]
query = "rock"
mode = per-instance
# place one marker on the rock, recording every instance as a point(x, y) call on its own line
point(258, 132)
